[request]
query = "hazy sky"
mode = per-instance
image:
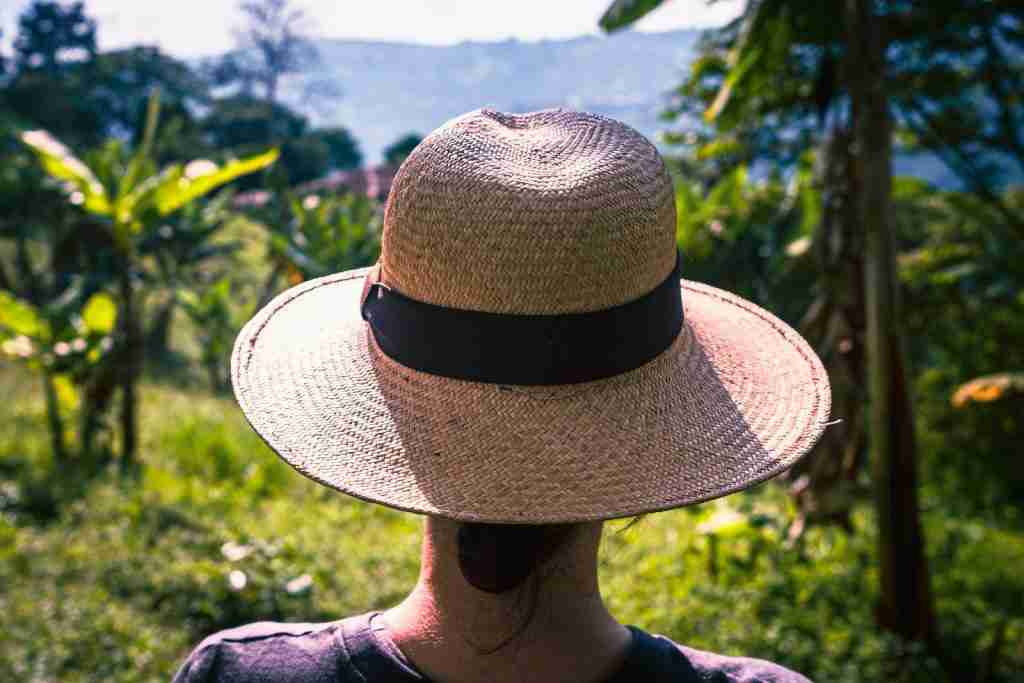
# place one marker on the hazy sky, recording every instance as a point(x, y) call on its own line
point(198, 27)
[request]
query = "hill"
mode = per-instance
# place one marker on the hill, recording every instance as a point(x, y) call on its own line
point(382, 90)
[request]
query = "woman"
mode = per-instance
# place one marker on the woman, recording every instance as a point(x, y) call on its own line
point(522, 363)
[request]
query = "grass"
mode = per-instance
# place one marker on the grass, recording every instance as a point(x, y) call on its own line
point(129, 574)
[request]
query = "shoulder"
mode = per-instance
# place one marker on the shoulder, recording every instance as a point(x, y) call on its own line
point(688, 663)
point(266, 651)
point(738, 669)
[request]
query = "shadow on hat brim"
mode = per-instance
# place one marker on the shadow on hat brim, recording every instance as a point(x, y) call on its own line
point(738, 398)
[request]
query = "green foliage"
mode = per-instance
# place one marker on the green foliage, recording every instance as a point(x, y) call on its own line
point(120, 84)
point(100, 313)
point(130, 198)
point(180, 185)
point(215, 501)
point(51, 35)
point(343, 150)
point(738, 234)
point(215, 531)
point(778, 78)
point(622, 13)
point(67, 348)
point(396, 152)
point(217, 318)
point(305, 158)
point(49, 84)
point(245, 122)
point(58, 161)
point(56, 340)
point(317, 236)
point(134, 194)
point(241, 124)
point(964, 272)
point(20, 318)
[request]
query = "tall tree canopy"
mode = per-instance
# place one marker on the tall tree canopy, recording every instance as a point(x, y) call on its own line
point(271, 43)
point(51, 36)
point(397, 151)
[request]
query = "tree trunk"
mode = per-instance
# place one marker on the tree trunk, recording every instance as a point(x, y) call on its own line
point(53, 418)
point(132, 339)
point(905, 602)
point(158, 337)
point(6, 281)
point(25, 274)
point(826, 482)
point(96, 397)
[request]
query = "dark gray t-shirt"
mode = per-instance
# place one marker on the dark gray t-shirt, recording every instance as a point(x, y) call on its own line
point(358, 649)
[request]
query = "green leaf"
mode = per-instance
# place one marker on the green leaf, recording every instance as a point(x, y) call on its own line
point(720, 146)
point(21, 318)
point(178, 186)
point(188, 299)
point(58, 161)
point(222, 289)
point(67, 394)
point(736, 75)
point(100, 313)
point(622, 13)
point(141, 163)
point(811, 209)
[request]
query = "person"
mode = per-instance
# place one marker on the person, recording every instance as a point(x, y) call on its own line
point(523, 363)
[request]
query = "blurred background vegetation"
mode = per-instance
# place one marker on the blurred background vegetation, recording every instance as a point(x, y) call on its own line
point(148, 206)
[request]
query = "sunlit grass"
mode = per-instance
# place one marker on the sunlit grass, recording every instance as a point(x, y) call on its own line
point(133, 572)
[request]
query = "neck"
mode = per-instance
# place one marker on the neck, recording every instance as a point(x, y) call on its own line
point(555, 623)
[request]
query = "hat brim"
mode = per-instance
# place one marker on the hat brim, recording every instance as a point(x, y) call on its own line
point(738, 398)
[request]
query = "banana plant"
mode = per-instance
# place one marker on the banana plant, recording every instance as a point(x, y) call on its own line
point(131, 197)
point(64, 347)
point(186, 250)
point(322, 235)
point(217, 318)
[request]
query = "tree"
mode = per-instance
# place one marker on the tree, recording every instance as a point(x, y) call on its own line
point(270, 45)
point(396, 152)
point(129, 196)
point(121, 82)
point(241, 122)
point(217, 318)
point(187, 250)
point(783, 80)
point(52, 36)
point(48, 85)
point(955, 93)
point(305, 158)
point(905, 601)
point(61, 84)
point(343, 150)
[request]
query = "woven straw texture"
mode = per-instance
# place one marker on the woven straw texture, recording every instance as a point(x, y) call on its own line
point(549, 212)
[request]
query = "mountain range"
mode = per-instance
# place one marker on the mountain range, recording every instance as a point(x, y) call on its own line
point(383, 90)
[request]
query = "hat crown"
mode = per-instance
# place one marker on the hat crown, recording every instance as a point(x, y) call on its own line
point(542, 213)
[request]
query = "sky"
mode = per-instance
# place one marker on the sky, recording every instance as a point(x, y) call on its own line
point(190, 28)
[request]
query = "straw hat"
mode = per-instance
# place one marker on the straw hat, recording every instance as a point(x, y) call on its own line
point(519, 354)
